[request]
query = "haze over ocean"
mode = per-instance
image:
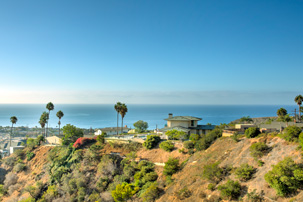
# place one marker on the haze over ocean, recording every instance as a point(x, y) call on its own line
point(104, 115)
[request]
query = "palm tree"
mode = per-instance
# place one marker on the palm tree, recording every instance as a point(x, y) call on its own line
point(59, 114)
point(43, 120)
point(123, 111)
point(118, 108)
point(50, 107)
point(299, 100)
point(14, 121)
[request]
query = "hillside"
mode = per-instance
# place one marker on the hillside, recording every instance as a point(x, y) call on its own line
point(87, 167)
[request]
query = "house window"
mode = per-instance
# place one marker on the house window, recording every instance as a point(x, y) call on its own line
point(192, 123)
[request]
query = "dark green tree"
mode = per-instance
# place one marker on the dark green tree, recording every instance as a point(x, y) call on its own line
point(151, 141)
point(252, 132)
point(171, 167)
point(123, 112)
point(118, 108)
point(14, 121)
point(141, 126)
point(71, 134)
point(281, 113)
point(299, 100)
point(50, 107)
point(59, 114)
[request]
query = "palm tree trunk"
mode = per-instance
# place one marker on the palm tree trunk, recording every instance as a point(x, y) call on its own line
point(59, 128)
point(117, 122)
point(10, 137)
point(122, 127)
point(299, 114)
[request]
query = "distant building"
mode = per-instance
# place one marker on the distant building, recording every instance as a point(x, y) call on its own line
point(243, 127)
point(188, 124)
point(111, 130)
point(15, 148)
point(53, 140)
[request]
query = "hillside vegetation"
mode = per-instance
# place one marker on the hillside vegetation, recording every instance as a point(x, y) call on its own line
point(212, 168)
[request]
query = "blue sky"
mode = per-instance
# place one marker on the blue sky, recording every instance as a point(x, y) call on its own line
point(180, 52)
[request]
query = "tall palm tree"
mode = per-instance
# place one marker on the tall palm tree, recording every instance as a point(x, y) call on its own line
point(43, 120)
point(118, 108)
point(14, 121)
point(50, 107)
point(123, 111)
point(299, 100)
point(59, 114)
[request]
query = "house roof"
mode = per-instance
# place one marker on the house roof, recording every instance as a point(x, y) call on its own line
point(183, 118)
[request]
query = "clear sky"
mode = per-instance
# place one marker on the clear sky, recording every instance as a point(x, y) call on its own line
point(151, 51)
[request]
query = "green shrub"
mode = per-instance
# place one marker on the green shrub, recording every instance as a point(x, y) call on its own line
point(211, 186)
point(231, 189)
point(254, 196)
point(95, 147)
point(151, 193)
point(9, 161)
point(19, 167)
point(81, 194)
point(124, 191)
point(177, 135)
point(208, 139)
point(150, 177)
point(189, 144)
point(260, 163)
point(285, 177)
point(244, 172)
point(252, 132)
point(194, 137)
point(100, 138)
point(184, 193)
point(213, 172)
point(30, 155)
point(171, 167)
point(258, 149)
point(291, 133)
point(167, 146)
point(151, 141)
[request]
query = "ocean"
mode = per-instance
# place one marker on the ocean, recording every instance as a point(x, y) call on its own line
point(104, 115)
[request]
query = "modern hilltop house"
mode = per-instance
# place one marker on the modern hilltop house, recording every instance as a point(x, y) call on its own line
point(188, 124)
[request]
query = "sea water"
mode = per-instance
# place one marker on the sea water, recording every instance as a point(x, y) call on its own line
point(104, 115)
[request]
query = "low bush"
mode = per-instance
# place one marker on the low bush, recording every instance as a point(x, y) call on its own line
point(260, 163)
point(183, 193)
point(194, 137)
point(9, 161)
point(19, 167)
point(252, 132)
point(151, 193)
point(254, 196)
point(244, 172)
point(124, 191)
point(167, 146)
point(30, 155)
point(171, 167)
point(285, 177)
point(100, 138)
point(211, 186)
point(189, 144)
point(291, 133)
point(10, 179)
point(151, 141)
point(258, 149)
point(213, 172)
point(208, 139)
point(231, 189)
